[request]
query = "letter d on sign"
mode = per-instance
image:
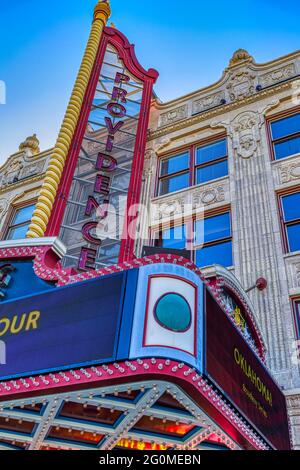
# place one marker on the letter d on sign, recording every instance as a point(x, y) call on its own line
point(2, 353)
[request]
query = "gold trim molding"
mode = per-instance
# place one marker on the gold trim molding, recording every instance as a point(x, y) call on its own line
point(192, 120)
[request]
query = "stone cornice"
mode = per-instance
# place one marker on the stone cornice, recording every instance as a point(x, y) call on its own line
point(250, 64)
point(28, 159)
point(23, 182)
point(192, 120)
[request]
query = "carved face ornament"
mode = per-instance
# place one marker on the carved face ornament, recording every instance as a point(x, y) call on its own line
point(247, 146)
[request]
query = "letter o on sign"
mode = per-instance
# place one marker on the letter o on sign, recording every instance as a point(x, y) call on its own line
point(116, 110)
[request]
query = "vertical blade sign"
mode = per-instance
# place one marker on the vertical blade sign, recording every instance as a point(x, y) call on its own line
point(103, 173)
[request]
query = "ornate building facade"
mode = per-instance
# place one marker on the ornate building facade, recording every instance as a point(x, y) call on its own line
point(221, 180)
point(20, 184)
point(238, 153)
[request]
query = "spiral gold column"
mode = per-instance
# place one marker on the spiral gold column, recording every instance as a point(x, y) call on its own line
point(56, 165)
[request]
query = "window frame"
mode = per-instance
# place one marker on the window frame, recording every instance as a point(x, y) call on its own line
point(283, 223)
point(218, 241)
point(296, 310)
point(191, 150)
point(8, 225)
point(209, 163)
point(189, 223)
point(176, 173)
point(272, 142)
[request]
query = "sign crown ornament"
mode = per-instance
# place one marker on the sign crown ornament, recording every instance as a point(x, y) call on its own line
point(240, 55)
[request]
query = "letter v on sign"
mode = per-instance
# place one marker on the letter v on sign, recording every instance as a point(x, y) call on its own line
point(113, 129)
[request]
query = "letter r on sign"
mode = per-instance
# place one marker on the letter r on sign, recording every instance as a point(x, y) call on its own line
point(121, 77)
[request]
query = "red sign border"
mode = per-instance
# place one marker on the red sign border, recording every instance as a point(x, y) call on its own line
point(126, 52)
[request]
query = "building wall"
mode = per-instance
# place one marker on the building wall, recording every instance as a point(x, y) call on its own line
point(21, 178)
point(238, 106)
point(253, 93)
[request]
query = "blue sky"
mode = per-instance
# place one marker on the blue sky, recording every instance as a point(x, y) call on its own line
point(188, 42)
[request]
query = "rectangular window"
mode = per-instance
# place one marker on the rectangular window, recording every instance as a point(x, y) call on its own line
point(291, 220)
point(212, 242)
point(297, 316)
point(213, 237)
point(173, 238)
point(174, 173)
point(286, 136)
point(19, 223)
point(177, 172)
point(211, 162)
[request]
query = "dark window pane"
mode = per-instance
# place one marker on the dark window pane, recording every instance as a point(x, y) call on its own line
point(174, 164)
point(293, 232)
point(215, 254)
point(286, 126)
point(213, 228)
point(286, 148)
point(23, 215)
point(174, 237)
point(18, 232)
point(175, 183)
point(291, 207)
point(211, 172)
point(210, 152)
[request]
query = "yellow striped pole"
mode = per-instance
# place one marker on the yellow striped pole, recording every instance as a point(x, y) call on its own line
point(56, 165)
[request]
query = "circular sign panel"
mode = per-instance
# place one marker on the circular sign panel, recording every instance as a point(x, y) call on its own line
point(173, 312)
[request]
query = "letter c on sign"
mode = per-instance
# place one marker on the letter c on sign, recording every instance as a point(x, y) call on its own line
point(86, 232)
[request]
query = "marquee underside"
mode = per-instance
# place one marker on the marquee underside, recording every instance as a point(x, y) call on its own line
point(72, 410)
point(142, 416)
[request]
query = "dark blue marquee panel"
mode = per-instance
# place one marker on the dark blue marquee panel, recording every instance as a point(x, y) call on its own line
point(69, 326)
